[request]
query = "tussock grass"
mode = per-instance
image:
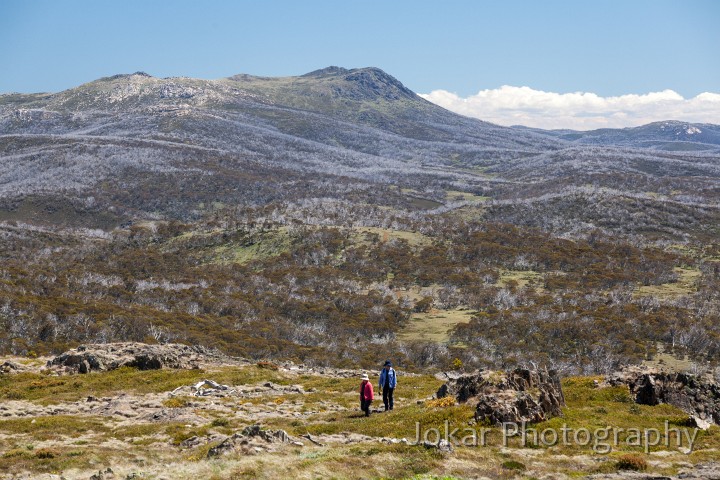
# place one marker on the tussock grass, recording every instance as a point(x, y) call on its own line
point(398, 423)
point(50, 389)
point(54, 427)
point(32, 444)
point(519, 278)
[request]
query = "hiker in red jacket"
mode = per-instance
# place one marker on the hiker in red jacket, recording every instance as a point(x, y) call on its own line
point(366, 395)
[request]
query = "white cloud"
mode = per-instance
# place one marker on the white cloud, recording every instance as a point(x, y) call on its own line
point(580, 111)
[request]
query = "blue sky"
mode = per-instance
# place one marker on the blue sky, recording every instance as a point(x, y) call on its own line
point(607, 47)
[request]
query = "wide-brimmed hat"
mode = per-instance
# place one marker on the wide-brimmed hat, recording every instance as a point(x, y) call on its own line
point(387, 363)
point(365, 377)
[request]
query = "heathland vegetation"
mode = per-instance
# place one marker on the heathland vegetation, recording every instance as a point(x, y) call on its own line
point(338, 216)
point(335, 220)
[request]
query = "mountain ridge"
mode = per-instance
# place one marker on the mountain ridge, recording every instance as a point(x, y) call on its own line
point(662, 135)
point(319, 217)
point(359, 127)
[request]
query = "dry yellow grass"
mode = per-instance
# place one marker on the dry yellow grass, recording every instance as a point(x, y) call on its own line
point(456, 195)
point(666, 360)
point(685, 285)
point(413, 238)
point(441, 402)
point(56, 445)
point(521, 277)
point(434, 325)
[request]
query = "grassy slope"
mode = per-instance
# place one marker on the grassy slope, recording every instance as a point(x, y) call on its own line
point(59, 443)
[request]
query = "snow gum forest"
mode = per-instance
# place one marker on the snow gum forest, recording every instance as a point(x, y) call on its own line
point(337, 216)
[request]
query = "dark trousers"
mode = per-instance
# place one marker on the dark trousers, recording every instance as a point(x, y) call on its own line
point(388, 397)
point(365, 406)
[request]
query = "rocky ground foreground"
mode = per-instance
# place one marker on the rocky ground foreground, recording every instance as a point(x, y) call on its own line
point(134, 411)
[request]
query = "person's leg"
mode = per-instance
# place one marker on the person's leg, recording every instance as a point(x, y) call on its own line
point(390, 397)
point(385, 396)
point(367, 408)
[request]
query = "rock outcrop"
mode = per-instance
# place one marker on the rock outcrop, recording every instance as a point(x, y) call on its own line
point(516, 396)
point(697, 395)
point(11, 367)
point(252, 440)
point(707, 471)
point(109, 356)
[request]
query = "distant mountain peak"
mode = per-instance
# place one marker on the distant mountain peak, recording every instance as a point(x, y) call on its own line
point(327, 71)
point(364, 83)
point(377, 78)
point(129, 76)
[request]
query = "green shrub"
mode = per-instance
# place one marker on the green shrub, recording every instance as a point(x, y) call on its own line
point(46, 453)
point(176, 402)
point(268, 365)
point(220, 422)
point(513, 465)
point(632, 461)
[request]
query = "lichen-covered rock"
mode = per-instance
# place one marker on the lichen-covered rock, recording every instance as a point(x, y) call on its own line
point(442, 446)
point(516, 396)
point(250, 441)
point(695, 394)
point(11, 367)
point(109, 356)
point(707, 471)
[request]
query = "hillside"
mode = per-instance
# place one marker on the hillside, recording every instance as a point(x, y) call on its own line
point(285, 235)
point(135, 147)
point(224, 418)
point(258, 133)
point(337, 216)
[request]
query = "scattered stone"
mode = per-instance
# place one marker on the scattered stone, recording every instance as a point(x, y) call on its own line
point(394, 441)
point(517, 396)
point(251, 440)
point(330, 372)
point(442, 446)
point(103, 475)
point(710, 471)
point(345, 438)
point(697, 422)
point(9, 367)
point(193, 441)
point(313, 440)
point(207, 387)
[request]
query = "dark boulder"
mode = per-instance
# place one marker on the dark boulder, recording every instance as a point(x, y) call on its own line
point(516, 396)
point(695, 394)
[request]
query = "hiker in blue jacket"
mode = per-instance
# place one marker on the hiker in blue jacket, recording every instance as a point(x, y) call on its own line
point(388, 381)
